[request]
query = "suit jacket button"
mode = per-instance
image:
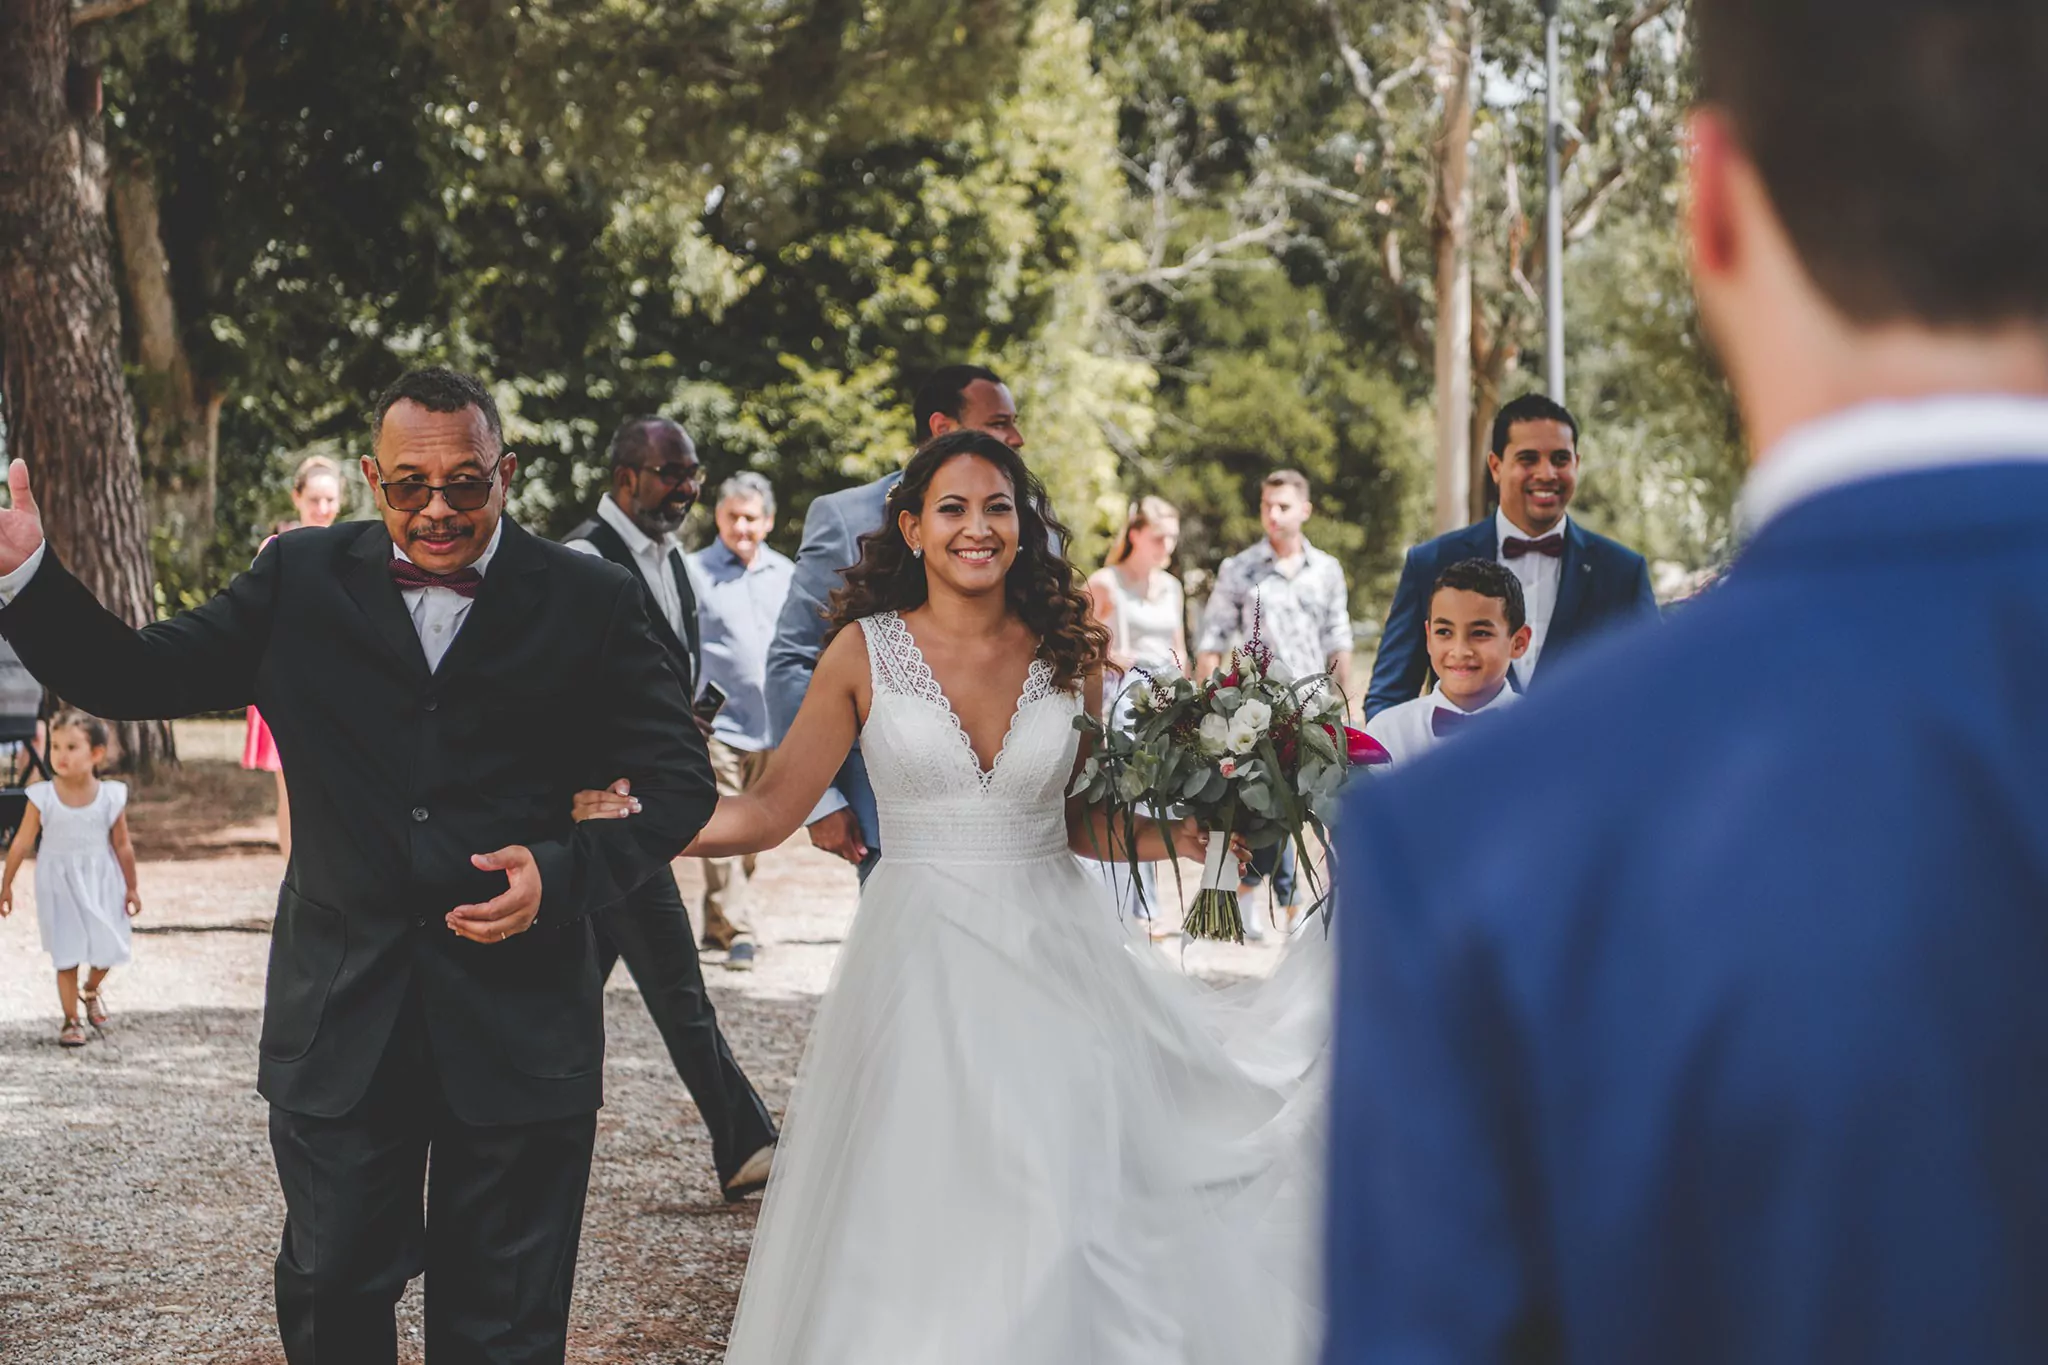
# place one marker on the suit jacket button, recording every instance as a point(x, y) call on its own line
point(431, 703)
point(419, 813)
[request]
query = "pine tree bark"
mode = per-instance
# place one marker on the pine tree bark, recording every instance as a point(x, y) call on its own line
point(180, 428)
point(67, 408)
point(1452, 230)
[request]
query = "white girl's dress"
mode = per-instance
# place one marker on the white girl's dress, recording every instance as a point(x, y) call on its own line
point(81, 896)
point(1019, 1138)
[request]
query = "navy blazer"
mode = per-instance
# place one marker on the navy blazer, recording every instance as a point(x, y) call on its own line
point(1604, 583)
point(1739, 1050)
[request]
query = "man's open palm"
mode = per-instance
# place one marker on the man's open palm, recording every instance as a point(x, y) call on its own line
point(21, 526)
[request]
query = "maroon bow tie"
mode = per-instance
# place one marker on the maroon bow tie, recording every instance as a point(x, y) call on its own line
point(1514, 547)
point(408, 576)
point(1444, 721)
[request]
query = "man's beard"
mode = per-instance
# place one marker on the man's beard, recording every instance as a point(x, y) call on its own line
point(670, 513)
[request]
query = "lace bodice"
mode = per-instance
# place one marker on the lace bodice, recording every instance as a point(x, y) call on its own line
point(936, 803)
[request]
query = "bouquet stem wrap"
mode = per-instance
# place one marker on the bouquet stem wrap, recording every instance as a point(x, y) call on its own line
point(1216, 913)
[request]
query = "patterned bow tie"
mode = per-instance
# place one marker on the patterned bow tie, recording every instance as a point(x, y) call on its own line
point(409, 576)
point(1514, 547)
point(1444, 721)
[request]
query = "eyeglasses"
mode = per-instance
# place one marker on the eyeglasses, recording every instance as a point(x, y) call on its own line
point(461, 495)
point(673, 473)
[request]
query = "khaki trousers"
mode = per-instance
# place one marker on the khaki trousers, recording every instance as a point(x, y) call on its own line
point(725, 879)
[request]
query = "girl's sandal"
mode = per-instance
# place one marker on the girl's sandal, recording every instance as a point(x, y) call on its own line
point(71, 1035)
point(95, 1008)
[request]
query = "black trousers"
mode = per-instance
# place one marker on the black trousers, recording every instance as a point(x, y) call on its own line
point(503, 1209)
point(651, 930)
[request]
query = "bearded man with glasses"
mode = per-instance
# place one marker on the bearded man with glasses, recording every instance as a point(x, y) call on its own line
point(440, 684)
point(656, 478)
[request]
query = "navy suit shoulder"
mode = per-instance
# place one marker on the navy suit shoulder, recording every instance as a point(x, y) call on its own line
point(1756, 1009)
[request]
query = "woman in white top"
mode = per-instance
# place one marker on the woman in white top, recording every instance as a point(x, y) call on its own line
point(1136, 595)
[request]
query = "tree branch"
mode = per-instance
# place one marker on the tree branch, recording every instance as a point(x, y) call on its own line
point(93, 11)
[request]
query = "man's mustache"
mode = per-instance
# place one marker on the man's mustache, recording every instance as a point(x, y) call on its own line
point(447, 530)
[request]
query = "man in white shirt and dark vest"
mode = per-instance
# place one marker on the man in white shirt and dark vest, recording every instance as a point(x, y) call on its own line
point(656, 478)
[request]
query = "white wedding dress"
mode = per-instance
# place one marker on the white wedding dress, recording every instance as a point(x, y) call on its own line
point(1019, 1136)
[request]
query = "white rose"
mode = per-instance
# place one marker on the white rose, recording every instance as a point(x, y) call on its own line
point(1254, 713)
point(1214, 734)
point(1241, 738)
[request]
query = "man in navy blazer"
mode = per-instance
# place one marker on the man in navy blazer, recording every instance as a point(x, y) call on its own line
point(1577, 584)
point(1696, 1010)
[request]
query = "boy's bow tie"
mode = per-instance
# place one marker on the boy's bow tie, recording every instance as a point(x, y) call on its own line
point(1445, 721)
point(408, 576)
point(1514, 547)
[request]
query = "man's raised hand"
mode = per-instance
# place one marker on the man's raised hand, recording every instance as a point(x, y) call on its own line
point(21, 525)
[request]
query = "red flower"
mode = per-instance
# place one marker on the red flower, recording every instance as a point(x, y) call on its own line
point(1361, 748)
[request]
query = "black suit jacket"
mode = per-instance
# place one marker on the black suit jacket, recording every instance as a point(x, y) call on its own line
point(685, 651)
point(397, 775)
point(1603, 584)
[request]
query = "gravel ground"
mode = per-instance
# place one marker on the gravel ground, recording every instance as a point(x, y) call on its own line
point(138, 1209)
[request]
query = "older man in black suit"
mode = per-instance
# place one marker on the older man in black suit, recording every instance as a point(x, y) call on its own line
point(1577, 584)
point(440, 683)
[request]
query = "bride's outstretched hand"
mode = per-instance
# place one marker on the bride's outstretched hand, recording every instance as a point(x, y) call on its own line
point(615, 802)
point(21, 525)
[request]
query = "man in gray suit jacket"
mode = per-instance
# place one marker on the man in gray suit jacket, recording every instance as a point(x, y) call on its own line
point(954, 397)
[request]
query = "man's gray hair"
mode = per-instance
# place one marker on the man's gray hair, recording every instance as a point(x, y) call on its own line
point(748, 484)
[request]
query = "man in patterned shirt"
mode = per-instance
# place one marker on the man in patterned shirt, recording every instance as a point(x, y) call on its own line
point(1298, 597)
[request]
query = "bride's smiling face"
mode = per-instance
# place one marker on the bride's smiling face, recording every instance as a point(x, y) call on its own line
point(968, 527)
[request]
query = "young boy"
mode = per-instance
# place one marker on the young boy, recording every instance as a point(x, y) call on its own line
point(1477, 627)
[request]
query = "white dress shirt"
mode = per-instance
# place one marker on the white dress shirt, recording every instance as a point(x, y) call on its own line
point(1880, 439)
point(1408, 731)
point(1540, 575)
point(438, 613)
point(650, 556)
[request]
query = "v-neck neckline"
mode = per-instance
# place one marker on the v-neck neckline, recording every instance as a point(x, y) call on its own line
point(939, 697)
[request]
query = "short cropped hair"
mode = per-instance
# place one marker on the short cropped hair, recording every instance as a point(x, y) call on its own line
point(439, 389)
point(944, 391)
point(748, 484)
point(1288, 478)
point(97, 735)
point(633, 438)
point(1488, 578)
point(1530, 407)
point(1901, 143)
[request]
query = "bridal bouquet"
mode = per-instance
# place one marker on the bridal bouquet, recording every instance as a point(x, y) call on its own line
point(1250, 751)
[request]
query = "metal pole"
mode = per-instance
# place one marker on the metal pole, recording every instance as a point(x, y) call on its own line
point(1553, 209)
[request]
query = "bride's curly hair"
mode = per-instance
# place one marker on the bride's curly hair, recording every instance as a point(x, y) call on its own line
point(1039, 588)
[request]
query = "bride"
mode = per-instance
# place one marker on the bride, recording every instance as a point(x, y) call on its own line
point(1018, 1137)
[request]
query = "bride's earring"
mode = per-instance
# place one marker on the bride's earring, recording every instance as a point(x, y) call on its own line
point(917, 550)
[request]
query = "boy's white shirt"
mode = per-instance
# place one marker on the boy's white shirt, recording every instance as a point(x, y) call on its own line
point(1407, 731)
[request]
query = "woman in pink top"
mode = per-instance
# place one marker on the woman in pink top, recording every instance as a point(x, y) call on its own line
point(316, 495)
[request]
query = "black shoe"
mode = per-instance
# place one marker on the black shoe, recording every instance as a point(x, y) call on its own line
point(752, 1177)
point(740, 957)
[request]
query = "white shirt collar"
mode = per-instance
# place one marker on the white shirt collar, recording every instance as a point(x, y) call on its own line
point(638, 541)
point(1878, 439)
point(1503, 528)
point(483, 561)
point(1507, 697)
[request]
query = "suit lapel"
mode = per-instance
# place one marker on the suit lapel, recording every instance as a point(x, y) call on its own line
point(504, 604)
point(1574, 578)
point(686, 598)
point(367, 578)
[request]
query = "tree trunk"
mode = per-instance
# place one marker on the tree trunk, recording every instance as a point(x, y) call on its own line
point(67, 409)
point(180, 435)
point(1459, 50)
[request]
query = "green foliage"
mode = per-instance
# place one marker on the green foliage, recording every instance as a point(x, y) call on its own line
point(1167, 223)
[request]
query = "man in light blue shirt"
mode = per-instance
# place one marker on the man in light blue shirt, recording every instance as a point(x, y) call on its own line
point(740, 585)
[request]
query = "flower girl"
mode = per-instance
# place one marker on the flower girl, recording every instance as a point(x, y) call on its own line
point(85, 870)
